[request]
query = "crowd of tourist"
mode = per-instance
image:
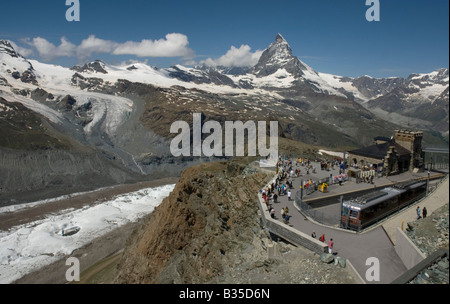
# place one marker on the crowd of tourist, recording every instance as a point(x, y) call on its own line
point(286, 171)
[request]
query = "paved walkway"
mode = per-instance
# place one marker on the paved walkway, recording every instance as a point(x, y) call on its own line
point(357, 247)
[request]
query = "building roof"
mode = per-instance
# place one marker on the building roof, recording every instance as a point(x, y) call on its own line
point(380, 151)
point(382, 138)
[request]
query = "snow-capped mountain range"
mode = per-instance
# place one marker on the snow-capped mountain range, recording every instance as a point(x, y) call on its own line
point(420, 101)
point(123, 113)
point(278, 74)
point(277, 68)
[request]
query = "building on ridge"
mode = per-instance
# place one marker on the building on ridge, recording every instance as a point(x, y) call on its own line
point(398, 154)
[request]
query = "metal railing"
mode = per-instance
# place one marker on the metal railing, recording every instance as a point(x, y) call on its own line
point(318, 215)
point(334, 219)
point(313, 186)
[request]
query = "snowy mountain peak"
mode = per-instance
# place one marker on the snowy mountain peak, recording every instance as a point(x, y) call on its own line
point(280, 39)
point(96, 66)
point(7, 48)
point(14, 66)
point(280, 49)
point(279, 56)
point(438, 76)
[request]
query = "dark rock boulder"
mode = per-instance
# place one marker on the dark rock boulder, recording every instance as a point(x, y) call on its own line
point(327, 258)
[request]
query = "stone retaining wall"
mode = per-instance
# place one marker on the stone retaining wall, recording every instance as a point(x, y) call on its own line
point(288, 233)
point(407, 251)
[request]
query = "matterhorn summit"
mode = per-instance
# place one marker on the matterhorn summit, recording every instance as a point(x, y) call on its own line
point(279, 56)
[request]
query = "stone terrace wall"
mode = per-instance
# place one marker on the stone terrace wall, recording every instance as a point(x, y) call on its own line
point(288, 233)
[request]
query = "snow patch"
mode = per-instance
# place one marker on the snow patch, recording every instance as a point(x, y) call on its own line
point(332, 153)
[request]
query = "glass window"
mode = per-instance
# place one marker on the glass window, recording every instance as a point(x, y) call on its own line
point(345, 211)
point(354, 214)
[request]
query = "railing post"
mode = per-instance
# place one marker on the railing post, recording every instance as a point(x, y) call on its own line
point(301, 190)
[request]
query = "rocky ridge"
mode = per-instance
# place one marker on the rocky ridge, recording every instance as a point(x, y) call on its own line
point(278, 56)
point(429, 235)
point(124, 114)
point(208, 231)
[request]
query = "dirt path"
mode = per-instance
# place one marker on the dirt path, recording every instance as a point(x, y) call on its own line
point(102, 272)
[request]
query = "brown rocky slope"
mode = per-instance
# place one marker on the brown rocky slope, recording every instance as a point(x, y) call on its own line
point(208, 231)
point(188, 238)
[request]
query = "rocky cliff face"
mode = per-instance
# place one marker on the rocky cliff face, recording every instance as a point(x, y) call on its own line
point(430, 235)
point(32, 175)
point(188, 239)
point(208, 231)
point(278, 56)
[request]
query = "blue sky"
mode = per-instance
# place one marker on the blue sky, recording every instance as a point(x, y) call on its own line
point(332, 36)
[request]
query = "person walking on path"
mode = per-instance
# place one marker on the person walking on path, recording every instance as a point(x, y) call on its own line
point(289, 195)
point(330, 246)
point(285, 215)
point(418, 213)
point(272, 212)
point(424, 212)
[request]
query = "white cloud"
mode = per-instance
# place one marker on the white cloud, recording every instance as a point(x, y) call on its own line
point(174, 45)
point(22, 51)
point(236, 57)
point(48, 50)
point(133, 61)
point(93, 45)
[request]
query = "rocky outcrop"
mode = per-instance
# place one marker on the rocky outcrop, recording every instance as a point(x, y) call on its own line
point(67, 103)
point(38, 162)
point(200, 75)
point(93, 67)
point(4, 82)
point(208, 231)
point(29, 77)
point(86, 83)
point(371, 87)
point(23, 129)
point(41, 95)
point(437, 273)
point(278, 56)
point(27, 176)
point(7, 48)
point(188, 239)
point(431, 233)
